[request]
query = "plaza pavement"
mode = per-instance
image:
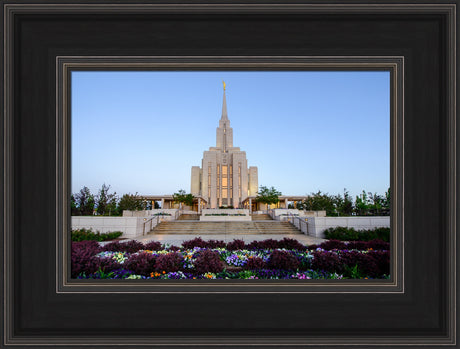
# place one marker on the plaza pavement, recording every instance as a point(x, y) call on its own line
point(178, 239)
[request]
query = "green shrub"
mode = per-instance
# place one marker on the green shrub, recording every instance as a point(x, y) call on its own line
point(351, 234)
point(88, 235)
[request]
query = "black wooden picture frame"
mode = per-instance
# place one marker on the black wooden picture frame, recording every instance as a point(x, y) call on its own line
point(42, 309)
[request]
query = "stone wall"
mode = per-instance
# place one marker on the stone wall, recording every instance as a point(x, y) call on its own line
point(130, 226)
point(282, 213)
point(317, 225)
point(148, 213)
point(225, 218)
point(195, 181)
point(211, 211)
point(315, 213)
point(253, 181)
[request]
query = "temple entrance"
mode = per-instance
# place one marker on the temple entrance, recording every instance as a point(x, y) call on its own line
point(195, 207)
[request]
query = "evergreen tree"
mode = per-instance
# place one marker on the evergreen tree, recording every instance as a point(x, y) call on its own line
point(74, 211)
point(85, 202)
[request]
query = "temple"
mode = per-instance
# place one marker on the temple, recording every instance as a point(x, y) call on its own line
point(224, 178)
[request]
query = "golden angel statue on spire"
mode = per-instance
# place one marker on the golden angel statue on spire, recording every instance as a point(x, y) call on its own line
point(224, 84)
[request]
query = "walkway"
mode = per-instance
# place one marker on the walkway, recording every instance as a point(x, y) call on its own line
point(177, 239)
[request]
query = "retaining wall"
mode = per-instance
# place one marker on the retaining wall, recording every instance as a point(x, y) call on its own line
point(317, 225)
point(129, 226)
point(209, 211)
point(147, 213)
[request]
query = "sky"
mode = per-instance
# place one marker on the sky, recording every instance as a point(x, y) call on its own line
point(141, 132)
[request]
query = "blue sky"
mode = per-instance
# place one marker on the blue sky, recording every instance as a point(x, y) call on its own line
point(305, 131)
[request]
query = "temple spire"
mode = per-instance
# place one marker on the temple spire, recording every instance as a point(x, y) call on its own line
point(224, 105)
point(224, 135)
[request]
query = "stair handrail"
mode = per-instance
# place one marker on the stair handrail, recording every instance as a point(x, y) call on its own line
point(299, 223)
point(150, 221)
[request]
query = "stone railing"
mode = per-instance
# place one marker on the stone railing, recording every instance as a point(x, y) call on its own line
point(271, 213)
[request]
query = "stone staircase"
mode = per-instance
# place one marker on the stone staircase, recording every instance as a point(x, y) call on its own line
point(261, 217)
point(234, 228)
point(189, 217)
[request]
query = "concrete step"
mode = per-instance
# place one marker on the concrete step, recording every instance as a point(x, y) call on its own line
point(189, 217)
point(261, 217)
point(268, 227)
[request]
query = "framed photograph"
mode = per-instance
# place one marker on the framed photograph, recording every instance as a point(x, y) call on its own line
point(242, 222)
point(49, 46)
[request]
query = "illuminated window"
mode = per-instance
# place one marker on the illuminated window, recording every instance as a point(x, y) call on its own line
point(230, 177)
point(239, 180)
point(224, 182)
point(209, 181)
point(218, 181)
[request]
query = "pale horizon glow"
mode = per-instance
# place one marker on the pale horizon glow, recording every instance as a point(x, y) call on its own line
point(305, 131)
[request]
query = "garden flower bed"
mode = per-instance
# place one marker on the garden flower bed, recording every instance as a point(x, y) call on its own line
point(213, 259)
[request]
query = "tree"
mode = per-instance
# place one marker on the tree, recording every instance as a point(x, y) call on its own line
point(111, 208)
point(182, 198)
point(74, 211)
point(386, 202)
point(268, 196)
point(106, 203)
point(321, 202)
point(338, 205)
point(376, 203)
point(344, 205)
point(131, 202)
point(362, 204)
point(85, 202)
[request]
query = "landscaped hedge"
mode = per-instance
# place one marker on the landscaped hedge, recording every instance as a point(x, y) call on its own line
point(198, 259)
point(351, 234)
point(88, 235)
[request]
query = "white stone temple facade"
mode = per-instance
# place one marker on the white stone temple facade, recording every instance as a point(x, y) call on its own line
point(224, 178)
